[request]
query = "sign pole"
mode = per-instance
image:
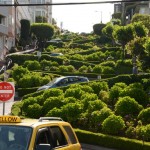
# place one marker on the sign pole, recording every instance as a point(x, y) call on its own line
point(4, 81)
point(3, 108)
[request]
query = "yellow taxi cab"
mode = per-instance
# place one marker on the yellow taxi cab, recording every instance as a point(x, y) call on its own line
point(45, 133)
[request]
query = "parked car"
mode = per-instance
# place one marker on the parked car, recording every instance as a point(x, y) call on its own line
point(45, 133)
point(56, 54)
point(64, 81)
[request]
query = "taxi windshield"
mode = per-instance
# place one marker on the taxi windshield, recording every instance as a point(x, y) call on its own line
point(14, 137)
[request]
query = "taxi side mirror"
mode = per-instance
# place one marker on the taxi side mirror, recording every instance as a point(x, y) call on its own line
point(43, 147)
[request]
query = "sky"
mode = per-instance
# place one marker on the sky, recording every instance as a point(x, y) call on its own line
point(81, 18)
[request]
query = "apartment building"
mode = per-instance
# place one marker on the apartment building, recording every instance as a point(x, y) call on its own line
point(10, 26)
point(129, 9)
point(44, 10)
point(3, 30)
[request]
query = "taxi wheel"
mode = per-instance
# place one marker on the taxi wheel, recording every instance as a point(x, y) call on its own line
point(16, 147)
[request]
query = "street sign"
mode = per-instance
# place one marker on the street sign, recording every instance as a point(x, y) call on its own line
point(6, 91)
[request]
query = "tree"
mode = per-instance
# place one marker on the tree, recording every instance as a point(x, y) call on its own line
point(144, 19)
point(147, 46)
point(140, 29)
point(43, 32)
point(123, 34)
point(25, 32)
point(108, 31)
point(97, 28)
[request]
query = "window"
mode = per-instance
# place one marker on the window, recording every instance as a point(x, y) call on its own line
point(43, 136)
point(58, 136)
point(2, 20)
point(71, 135)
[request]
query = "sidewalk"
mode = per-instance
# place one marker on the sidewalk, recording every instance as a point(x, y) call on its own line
point(7, 107)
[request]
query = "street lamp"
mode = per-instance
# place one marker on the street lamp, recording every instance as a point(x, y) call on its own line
point(100, 13)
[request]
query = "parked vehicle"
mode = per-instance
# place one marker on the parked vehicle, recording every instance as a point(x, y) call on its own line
point(45, 133)
point(56, 54)
point(64, 81)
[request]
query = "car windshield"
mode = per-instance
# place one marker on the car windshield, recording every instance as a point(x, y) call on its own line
point(55, 80)
point(14, 137)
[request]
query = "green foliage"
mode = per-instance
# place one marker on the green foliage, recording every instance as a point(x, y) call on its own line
point(18, 72)
point(113, 125)
point(55, 112)
point(142, 18)
point(97, 28)
point(51, 103)
point(74, 92)
point(25, 31)
point(86, 98)
point(140, 29)
point(136, 46)
point(42, 31)
point(32, 65)
point(98, 116)
point(144, 115)
point(99, 86)
point(95, 105)
point(33, 80)
point(115, 91)
point(126, 106)
point(72, 111)
point(137, 93)
point(34, 111)
point(97, 69)
point(124, 66)
point(54, 92)
point(27, 102)
point(108, 70)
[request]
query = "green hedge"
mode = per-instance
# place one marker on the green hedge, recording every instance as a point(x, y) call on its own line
point(111, 141)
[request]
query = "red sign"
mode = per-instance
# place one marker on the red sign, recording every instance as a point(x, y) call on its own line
point(6, 91)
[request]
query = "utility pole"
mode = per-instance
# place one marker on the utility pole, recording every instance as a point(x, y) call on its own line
point(15, 24)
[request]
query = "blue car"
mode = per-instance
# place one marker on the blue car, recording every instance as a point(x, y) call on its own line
point(63, 81)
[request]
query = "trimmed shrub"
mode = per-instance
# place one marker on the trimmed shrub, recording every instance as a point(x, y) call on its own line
point(27, 102)
point(52, 102)
point(18, 72)
point(137, 93)
point(113, 125)
point(95, 105)
point(72, 111)
point(32, 65)
point(86, 98)
point(53, 92)
point(127, 105)
point(34, 111)
point(74, 92)
point(55, 112)
point(144, 116)
point(99, 86)
point(98, 116)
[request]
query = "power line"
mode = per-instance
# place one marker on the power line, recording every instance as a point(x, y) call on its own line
point(75, 3)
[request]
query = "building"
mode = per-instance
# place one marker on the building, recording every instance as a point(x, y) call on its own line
point(10, 26)
point(128, 9)
point(3, 29)
point(41, 10)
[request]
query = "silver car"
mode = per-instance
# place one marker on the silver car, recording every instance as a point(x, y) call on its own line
point(64, 81)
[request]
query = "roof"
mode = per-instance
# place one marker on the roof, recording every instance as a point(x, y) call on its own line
point(36, 122)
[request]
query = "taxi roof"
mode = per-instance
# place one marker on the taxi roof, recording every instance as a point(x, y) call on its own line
point(34, 122)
